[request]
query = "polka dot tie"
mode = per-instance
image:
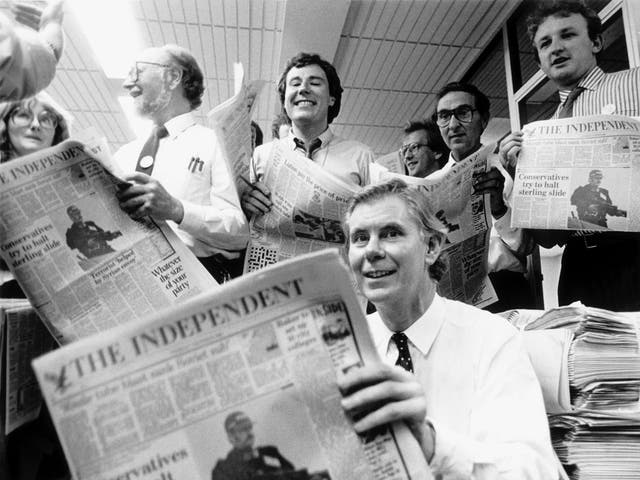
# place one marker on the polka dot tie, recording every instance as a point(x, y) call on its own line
point(404, 357)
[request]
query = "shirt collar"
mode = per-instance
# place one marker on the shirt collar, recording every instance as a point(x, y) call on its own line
point(180, 123)
point(325, 136)
point(589, 82)
point(422, 333)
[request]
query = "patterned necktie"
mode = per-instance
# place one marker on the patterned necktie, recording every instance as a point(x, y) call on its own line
point(404, 357)
point(315, 145)
point(567, 109)
point(147, 157)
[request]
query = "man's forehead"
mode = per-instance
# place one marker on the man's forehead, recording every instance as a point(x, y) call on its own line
point(455, 99)
point(416, 136)
point(155, 55)
point(555, 23)
point(312, 70)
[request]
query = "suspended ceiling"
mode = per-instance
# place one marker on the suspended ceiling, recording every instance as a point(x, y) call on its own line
point(392, 55)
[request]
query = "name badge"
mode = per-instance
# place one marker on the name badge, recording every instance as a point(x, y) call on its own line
point(271, 461)
point(146, 161)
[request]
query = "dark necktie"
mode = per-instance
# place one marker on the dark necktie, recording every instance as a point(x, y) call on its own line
point(567, 109)
point(315, 145)
point(147, 157)
point(404, 357)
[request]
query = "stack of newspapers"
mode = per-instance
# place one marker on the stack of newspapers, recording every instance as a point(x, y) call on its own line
point(595, 422)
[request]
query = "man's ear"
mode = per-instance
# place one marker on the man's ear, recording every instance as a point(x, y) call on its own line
point(174, 75)
point(598, 44)
point(332, 100)
point(434, 247)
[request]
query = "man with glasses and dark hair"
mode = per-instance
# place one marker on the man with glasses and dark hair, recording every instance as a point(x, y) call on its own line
point(602, 269)
point(423, 150)
point(310, 94)
point(180, 172)
point(462, 115)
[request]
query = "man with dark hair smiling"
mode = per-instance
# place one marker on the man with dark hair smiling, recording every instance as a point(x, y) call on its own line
point(181, 175)
point(463, 114)
point(310, 94)
point(600, 269)
point(423, 150)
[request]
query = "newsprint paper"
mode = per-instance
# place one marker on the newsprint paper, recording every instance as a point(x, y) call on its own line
point(468, 221)
point(579, 173)
point(150, 400)
point(308, 206)
point(25, 338)
point(232, 122)
point(83, 263)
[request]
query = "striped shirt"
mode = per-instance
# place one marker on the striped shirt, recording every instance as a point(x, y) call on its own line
point(615, 93)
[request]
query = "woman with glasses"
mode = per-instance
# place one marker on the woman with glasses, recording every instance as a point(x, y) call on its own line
point(29, 126)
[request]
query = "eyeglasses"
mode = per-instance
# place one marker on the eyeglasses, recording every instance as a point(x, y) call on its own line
point(464, 113)
point(134, 73)
point(411, 148)
point(23, 118)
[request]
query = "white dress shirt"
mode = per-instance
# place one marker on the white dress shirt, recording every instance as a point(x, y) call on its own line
point(347, 159)
point(191, 167)
point(508, 246)
point(483, 398)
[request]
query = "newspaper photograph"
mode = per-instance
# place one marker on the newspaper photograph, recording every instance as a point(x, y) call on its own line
point(182, 395)
point(26, 338)
point(84, 264)
point(579, 174)
point(468, 221)
point(307, 211)
point(232, 122)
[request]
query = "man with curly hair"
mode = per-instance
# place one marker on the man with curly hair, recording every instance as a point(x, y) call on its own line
point(180, 172)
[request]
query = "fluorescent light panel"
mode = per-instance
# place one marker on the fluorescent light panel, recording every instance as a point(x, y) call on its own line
point(111, 31)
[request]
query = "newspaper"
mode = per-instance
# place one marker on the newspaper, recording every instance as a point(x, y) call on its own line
point(579, 173)
point(232, 122)
point(26, 338)
point(151, 399)
point(468, 221)
point(84, 264)
point(392, 162)
point(308, 206)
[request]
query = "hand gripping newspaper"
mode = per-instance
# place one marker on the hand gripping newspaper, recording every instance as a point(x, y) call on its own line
point(308, 206)
point(84, 264)
point(468, 220)
point(579, 173)
point(249, 367)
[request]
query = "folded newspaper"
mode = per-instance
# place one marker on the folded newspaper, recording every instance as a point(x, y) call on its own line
point(24, 337)
point(232, 122)
point(170, 396)
point(579, 173)
point(84, 264)
point(468, 222)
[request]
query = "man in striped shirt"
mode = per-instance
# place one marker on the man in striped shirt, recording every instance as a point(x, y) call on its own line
point(600, 269)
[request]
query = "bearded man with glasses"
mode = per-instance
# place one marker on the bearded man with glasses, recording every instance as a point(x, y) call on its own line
point(180, 172)
point(462, 115)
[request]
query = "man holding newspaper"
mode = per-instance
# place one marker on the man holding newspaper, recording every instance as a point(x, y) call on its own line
point(469, 395)
point(310, 94)
point(179, 174)
point(602, 269)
